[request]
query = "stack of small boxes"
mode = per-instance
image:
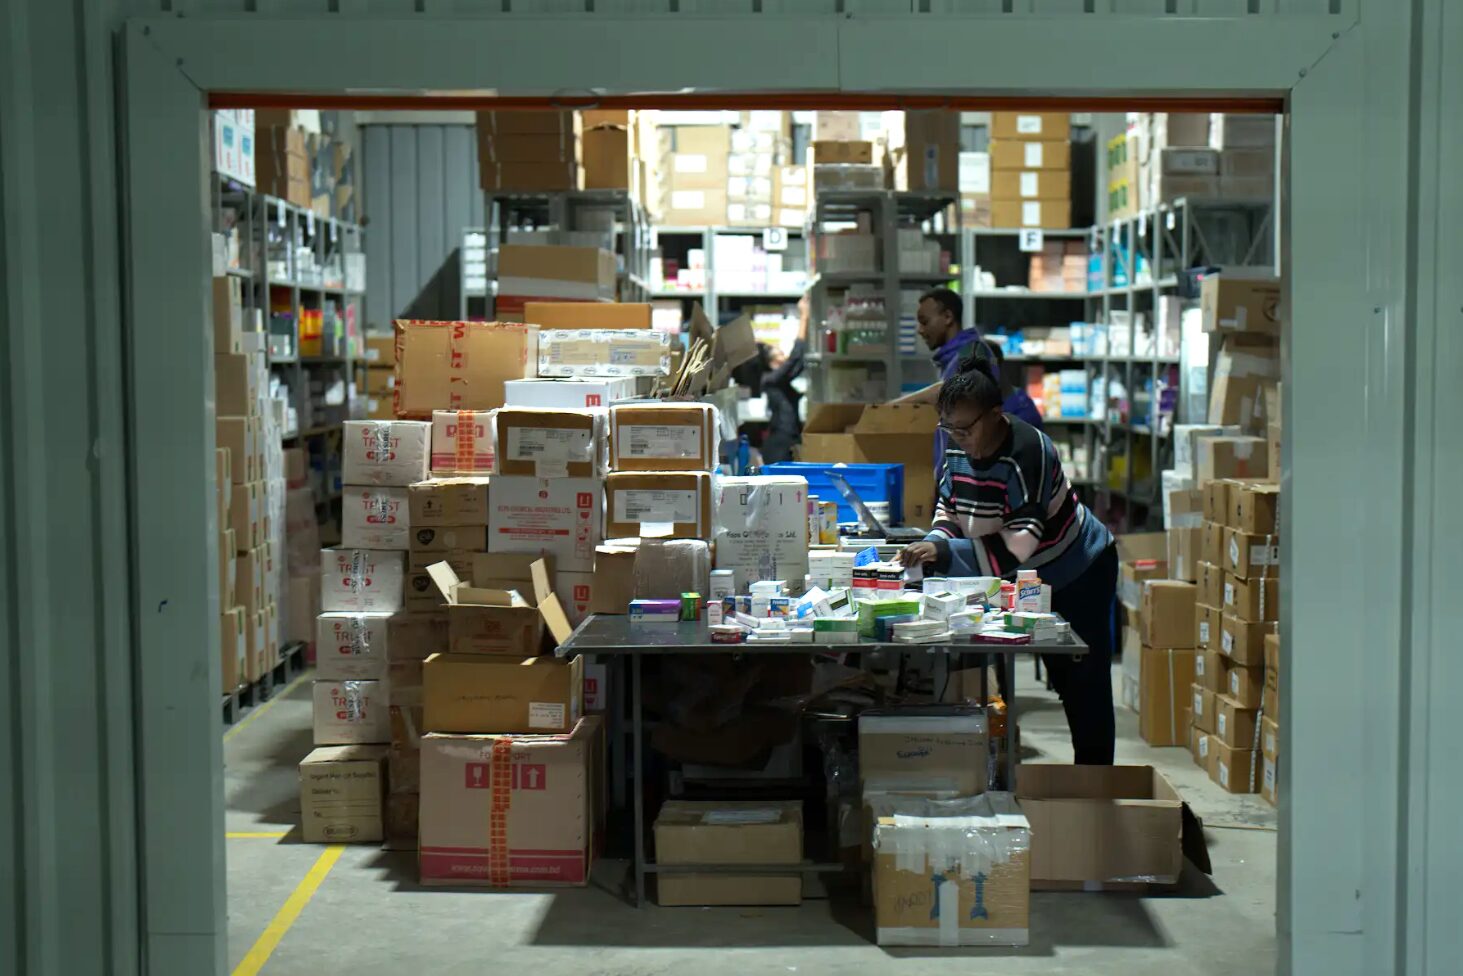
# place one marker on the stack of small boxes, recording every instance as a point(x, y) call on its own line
point(380, 357)
point(1059, 266)
point(1031, 169)
point(529, 151)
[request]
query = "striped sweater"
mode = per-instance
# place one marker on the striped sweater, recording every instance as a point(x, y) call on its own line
point(1014, 510)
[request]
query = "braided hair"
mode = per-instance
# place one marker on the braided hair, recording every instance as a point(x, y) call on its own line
point(975, 383)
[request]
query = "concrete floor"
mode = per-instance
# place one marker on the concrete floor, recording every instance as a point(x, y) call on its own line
point(369, 916)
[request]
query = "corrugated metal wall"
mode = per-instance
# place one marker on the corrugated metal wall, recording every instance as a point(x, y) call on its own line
point(419, 189)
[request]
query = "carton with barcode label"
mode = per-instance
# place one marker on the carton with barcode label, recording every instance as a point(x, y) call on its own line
point(658, 504)
point(664, 437)
point(549, 443)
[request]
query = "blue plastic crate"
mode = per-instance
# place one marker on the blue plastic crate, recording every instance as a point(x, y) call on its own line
point(873, 482)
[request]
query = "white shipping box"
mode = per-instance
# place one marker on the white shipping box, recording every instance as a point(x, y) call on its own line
point(351, 646)
point(347, 712)
point(385, 452)
point(462, 442)
point(568, 394)
point(762, 529)
point(374, 517)
point(561, 517)
point(361, 579)
point(603, 352)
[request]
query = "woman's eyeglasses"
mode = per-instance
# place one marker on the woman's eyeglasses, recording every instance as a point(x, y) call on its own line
point(961, 431)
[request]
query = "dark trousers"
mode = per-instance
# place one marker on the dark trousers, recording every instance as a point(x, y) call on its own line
point(1084, 684)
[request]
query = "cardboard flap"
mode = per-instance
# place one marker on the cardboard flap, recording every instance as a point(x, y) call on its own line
point(734, 343)
point(897, 418)
point(554, 619)
point(1195, 848)
point(832, 418)
point(699, 327)
point(446, 580)
point(543, 587)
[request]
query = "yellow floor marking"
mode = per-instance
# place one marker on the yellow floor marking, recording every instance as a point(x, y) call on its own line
point(265, 945)
point(260, 710)
point(255, 834)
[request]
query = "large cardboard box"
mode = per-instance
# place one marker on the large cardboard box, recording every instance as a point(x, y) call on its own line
point(664, 437)
point(568, 394)
point(484, 693)
point(1211, 544)
point(587, 315)
point(1096, 827)
point(729, 832)
point(842, 153)
point(1142, 556)
point(607, 158)
point(1235, 725)
point(1030, 154)
point(1207, 626)
point(1235, 770)
point(554, 271)
point(1238, 304)
point(249, 582)
point(614, 579)
point(361, 579)
point(1050, 214)
point(1211, 581)
point(352, 646)
point(236, 384)
point(1165, 699)
point(549, 443)
point(944, 749)
point(1048, 126)
point(1031, 184)
point(1254, 508)
point(886, 433)
point(390, 452)
point(659, 504)
point(1252, 599)
point(1240, 457)
point(1202, 714)
point(1184, 547)
point(511, 810)
point(448, 501)
point(956, 873)
point(341, 792)
point(494, 619)
point(559, 517)
point(460, 365)
point(1246, 368)
point(246, 515)
point(416, 636)
point(1243, 642)
point(350, 712)
point(530, 177)
point(374, 517)
point(1248, 556)
point(762, 528)
point(462, 442)
point(1245, 686)
point(1168, 613)
point(931, 156)
point(1210, 671)
point(239, 436)
point(233, 650)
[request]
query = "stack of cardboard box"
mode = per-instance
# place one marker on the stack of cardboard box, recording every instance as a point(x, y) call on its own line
point(1141, 557)
point(529, 151)
point(1059, 266)
point(281, 157)
point(610, 150)
point(694, 176)
point(1270, 773)
point(380, 358)
point(1165, 156)
point(1167, 661)
point(1031, 169)
point(550, 272)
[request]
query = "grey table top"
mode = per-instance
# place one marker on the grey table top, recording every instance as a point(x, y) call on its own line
point(607, 635)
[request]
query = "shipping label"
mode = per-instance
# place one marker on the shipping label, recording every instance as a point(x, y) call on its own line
point(659, 441)
point(545, 715)
point(637, 505)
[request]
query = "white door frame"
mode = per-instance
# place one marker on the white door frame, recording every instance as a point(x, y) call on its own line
point(1346, 875)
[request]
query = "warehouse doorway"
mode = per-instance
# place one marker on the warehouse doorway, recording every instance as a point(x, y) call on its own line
point(1318, 75)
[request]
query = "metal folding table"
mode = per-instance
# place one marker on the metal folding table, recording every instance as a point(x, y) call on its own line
point(614, 638)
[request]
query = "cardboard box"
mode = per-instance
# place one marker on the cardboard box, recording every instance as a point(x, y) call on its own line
point(1211, 545)
point(1031, 184)
point(936, 748)
point(1249, 556)
point(1183, 508)
point(374, 517)
point(1094, 827)
point(530, 177)
point(1199, 747)
point(587, 315)
point(1254, 508)
point(560, 517)
point(448, 502)
point(236, 384)
point(460, 365)
point(1207, 626)
point(1237, 304)
point(1050, 126)
point(1168, 613)
point(1052, 214)
point(549, 443)
point(507, 811)
point(453, 544)
point(404, 769)
point(239, 436)
point(604, 352)
point(464, 693)
point(1234, 725)
point(1252, 599)
point(228, 314)
point(1183, 553)
point(1030, 154)
point(1270, 779)
point(341, 792)
point(223, 480)
point(698, 207)
point(492, 619)
point(1211, 581)
point(576, 595)
point(930, 158)
point(1202, 713)
point(762, 527)
point(1247, 366)
point(658, 504)
point(380, 350)
point(1216, 502)
point(416, 636)
point(351, 646)
point(1235, 770)
point(1142, 556)
point(392, 452)
point(233, 649)
point(1209, 673)
point(1244, 686)
point(1269, 737)
point(228, 579)
point(614, 579)
point(568, 394)
point(1243, 642)
point(246, 515)
point(361, 579)
point(350, 712)
point(1272, 654)
point(607, 158)
point(1240, 457)
point(887, 433)
point(1167, 681)
point(983, 888)
point(552, 271)
point(729, 832)
point(249, 580)
point(664, 437)
point(842, 153)
point(462, 442)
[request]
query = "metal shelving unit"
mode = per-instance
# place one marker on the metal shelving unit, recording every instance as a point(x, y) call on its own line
point(938, 215)
point(714, 298)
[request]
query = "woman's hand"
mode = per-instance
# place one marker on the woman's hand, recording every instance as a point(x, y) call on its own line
point(917, 553)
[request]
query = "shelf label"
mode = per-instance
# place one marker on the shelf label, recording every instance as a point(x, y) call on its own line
point(1031, 239)
point(280, 212)
point(774, 239)
point(310, 222)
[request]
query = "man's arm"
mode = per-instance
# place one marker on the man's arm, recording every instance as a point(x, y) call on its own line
point(930, 395)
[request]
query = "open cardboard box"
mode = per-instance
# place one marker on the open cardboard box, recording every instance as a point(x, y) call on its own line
point(887, 433)
point(498, 620)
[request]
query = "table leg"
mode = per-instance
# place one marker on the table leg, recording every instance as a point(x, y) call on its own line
point(638, 757)
point(615, 705)
point(940, 672)
point(1008, 661)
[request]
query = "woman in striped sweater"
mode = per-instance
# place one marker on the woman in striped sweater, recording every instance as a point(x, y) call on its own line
point(1006, 504)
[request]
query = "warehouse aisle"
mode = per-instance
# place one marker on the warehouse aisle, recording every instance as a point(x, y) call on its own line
point(363, 913)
